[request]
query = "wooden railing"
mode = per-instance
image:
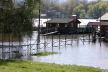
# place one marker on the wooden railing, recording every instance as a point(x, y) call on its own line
point(67, 30)
point(48, 30)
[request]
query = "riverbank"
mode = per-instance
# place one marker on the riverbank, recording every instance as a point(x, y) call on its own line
point(28, 66)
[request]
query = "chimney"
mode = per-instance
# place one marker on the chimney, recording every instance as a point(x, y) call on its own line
point(74, 17)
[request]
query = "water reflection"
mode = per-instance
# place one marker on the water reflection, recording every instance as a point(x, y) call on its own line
point(88, 55)
point(74, 49)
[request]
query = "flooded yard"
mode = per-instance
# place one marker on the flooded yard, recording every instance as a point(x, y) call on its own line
point(73, 50)
point(87, 55)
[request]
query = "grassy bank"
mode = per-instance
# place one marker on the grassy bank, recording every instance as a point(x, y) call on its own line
point(28, 66)
point(45, 53)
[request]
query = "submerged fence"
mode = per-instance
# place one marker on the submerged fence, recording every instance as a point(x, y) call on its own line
point(28, 45)
point(17, 38)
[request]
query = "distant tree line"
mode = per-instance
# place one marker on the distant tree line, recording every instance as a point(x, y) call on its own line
point(92, 9)
point(83, 9)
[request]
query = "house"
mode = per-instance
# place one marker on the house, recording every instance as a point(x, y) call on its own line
point(42, 22)
point(94, 24)
point(103, 24)
point(85, 26)
point(62, 22)
point(62, 25)
point(86, 22)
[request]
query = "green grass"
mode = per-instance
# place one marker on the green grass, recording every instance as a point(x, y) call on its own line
point(45, 53)
point(28, 66)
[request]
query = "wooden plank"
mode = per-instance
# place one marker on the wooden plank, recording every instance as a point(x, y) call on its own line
point(50, 33)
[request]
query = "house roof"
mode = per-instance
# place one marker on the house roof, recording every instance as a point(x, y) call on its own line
point(104, 17)
point(60, 20)
point(84, 22)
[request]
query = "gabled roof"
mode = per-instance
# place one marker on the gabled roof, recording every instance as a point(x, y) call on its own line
point(84, 22)
point(60, 20)
point(104, 17)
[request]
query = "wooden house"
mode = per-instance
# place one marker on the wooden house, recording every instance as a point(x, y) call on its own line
point(88, 25)
point(104, 24)
point(62, 25)
point(94, 25)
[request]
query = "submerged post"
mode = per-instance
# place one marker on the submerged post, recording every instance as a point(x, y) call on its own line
point(2, 40)
point(52, 43)
point(59, 41)
point(38, 37)
point(100, 30)
point(45, 43)
point(89, 35)
point(72, 39)
point(65, 40)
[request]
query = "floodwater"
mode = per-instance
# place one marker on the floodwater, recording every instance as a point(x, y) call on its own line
point(72, 50)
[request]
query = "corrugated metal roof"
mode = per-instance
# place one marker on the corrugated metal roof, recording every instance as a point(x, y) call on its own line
point(84, 22)
point(60, 20)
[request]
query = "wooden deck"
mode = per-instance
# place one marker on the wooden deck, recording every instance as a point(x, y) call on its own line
point(66, 30)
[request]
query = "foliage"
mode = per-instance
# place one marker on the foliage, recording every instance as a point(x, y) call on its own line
point(17, 19)
point(98, 9)
point(79, 10)
point(28, 66)
point(93, 9)
point(71, 5)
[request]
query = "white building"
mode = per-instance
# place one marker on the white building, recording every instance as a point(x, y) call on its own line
point(42, 22)
point(84, 22)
